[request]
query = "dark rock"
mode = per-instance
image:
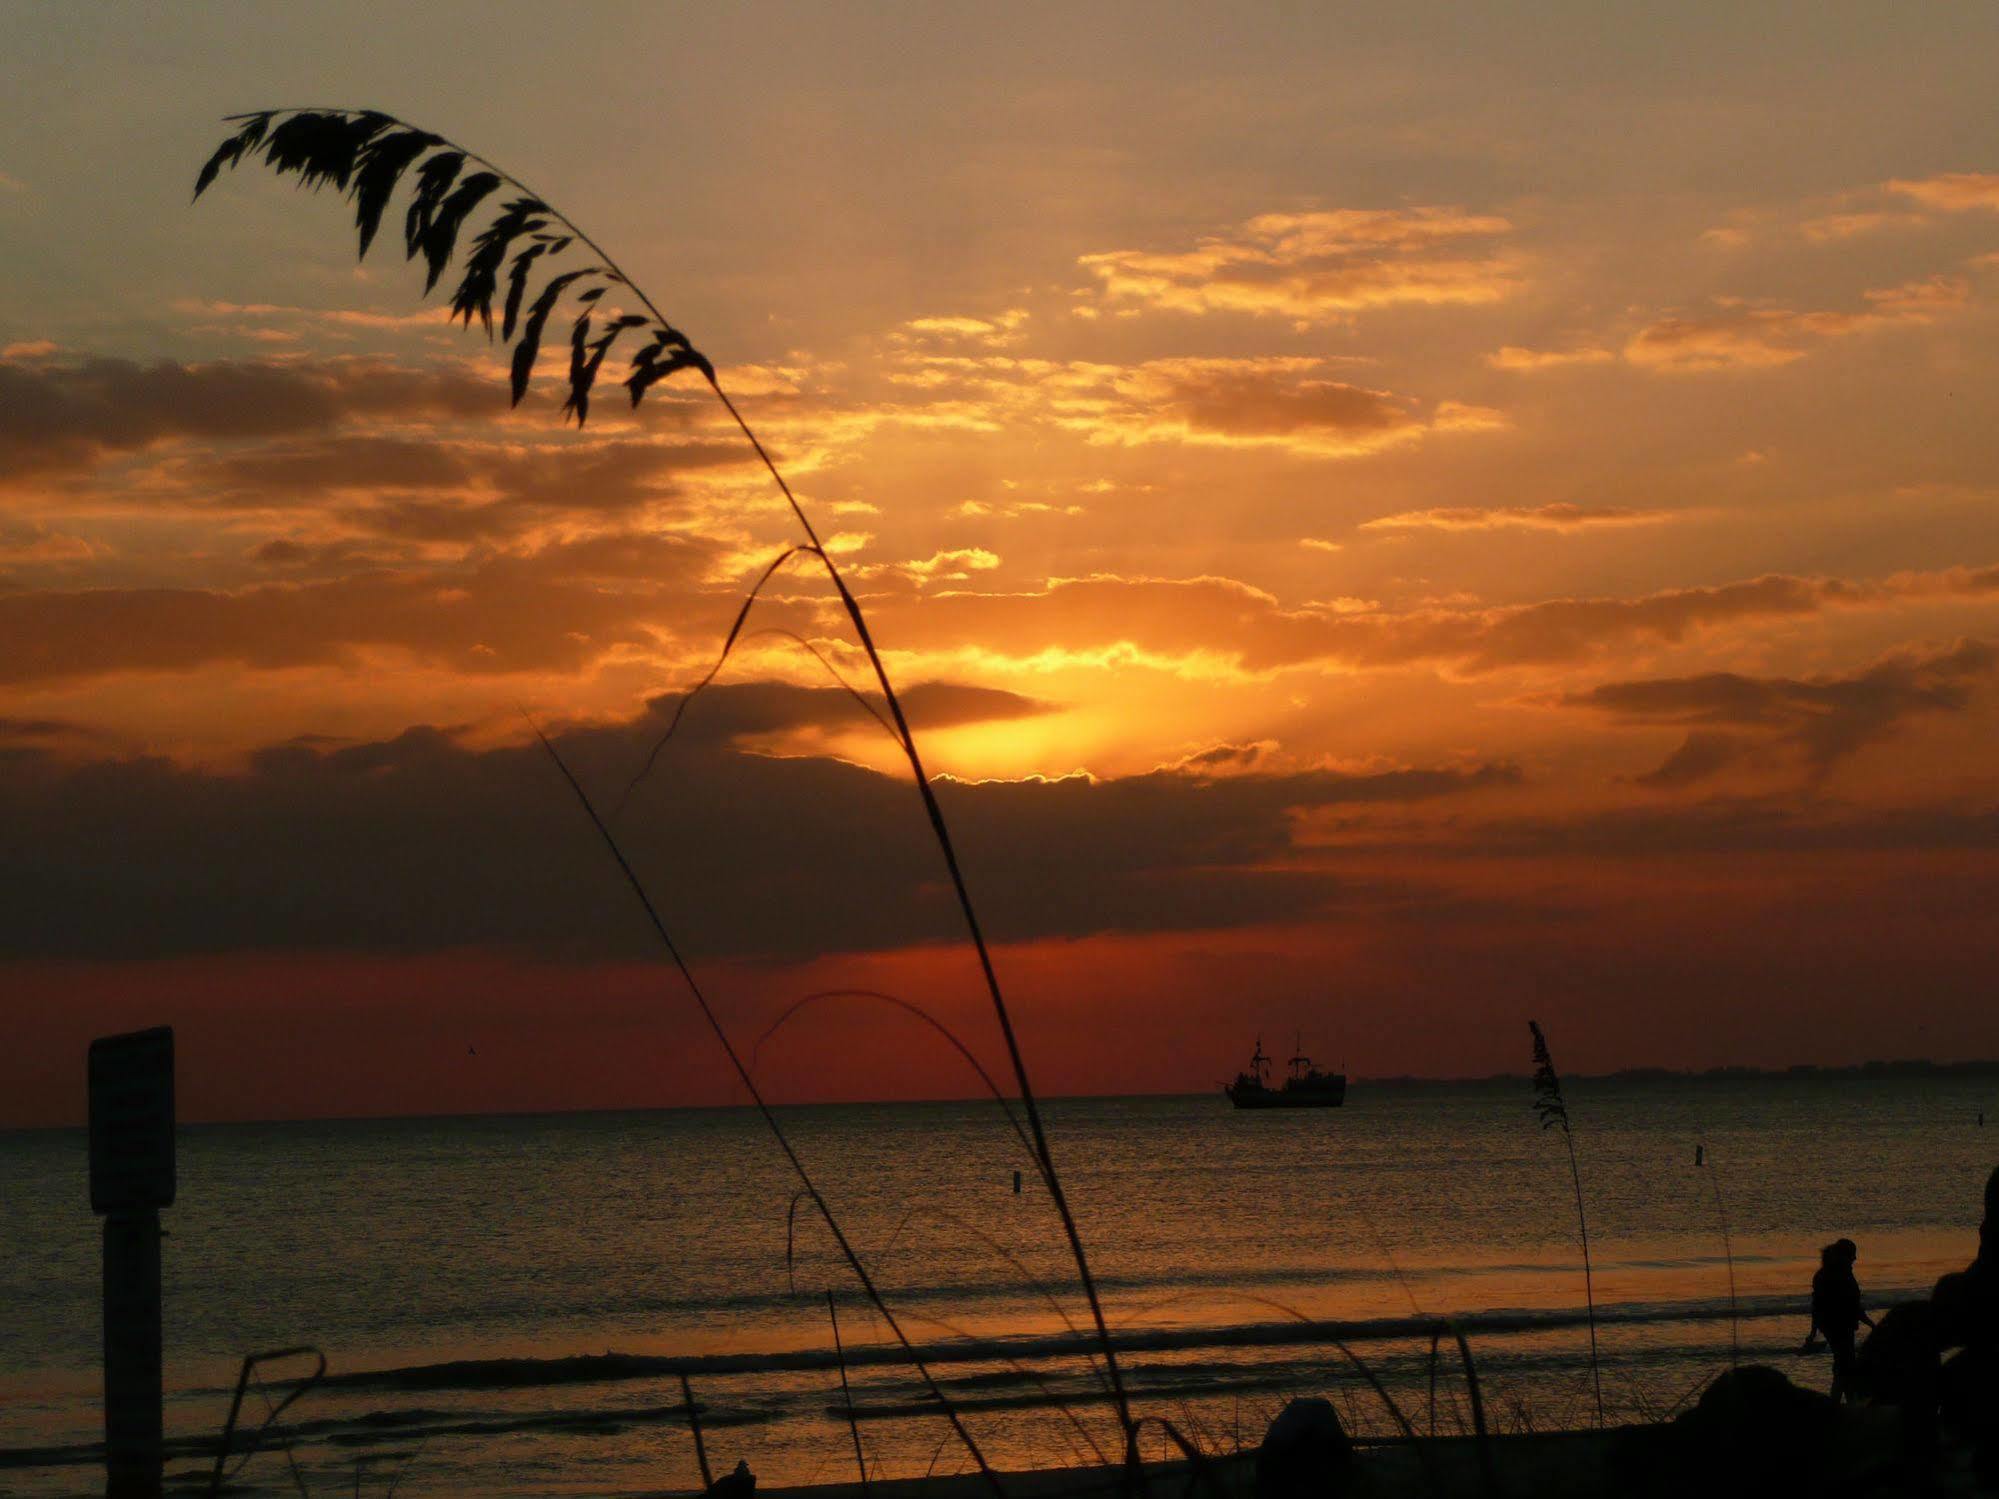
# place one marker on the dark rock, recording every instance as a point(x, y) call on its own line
point(1981, 1296)
point(1970, 1391)
point(1899, 1362)
point(1306, 1454)
point(741, 1484)
point(1752, 1433)
point(1758, 1403)
point(1955, 1303)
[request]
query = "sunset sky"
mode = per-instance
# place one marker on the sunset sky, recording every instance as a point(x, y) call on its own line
point(1391, 522)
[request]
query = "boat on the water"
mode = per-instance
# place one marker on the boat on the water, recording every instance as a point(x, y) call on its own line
point(1305, 1088)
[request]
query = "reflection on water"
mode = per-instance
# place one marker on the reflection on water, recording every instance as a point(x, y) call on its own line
point(506, 1248)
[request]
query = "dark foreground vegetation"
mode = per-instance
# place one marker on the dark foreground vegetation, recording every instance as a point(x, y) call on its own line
point(1926, 1423)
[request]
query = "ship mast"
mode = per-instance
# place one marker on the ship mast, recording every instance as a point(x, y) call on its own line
point(1259, 1063)
point(1298, 1057)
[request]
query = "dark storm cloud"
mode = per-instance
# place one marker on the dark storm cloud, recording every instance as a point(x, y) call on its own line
point(61, 416)
point(44, 729)
point(1818, 720)
point(554, 476)
point(1253, 402)
point(347, 462)
point(422, 842)
point(1700, 755)
point(331, 441)
point(553, 608)
point(1744, 826)
point(297, 559)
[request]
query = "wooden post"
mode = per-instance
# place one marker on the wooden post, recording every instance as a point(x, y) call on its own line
point(134, 1389)
point(131, 1179)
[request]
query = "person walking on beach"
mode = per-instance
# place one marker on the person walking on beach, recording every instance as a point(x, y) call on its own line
point(1836, 1310)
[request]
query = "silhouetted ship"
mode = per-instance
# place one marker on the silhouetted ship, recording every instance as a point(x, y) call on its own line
point(1305, 1088)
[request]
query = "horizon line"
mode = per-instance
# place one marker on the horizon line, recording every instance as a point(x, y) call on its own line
point(1877, 1068)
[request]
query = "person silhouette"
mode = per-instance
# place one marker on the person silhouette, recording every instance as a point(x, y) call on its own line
point(1837, 1312)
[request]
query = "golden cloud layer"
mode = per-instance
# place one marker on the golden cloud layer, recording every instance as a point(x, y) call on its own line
point(1284, 402)
point(1217, 624)
point(1532, 361)
point(1559, 516)
point(1314, 268)
point(1740, 336)
point(1952, 192)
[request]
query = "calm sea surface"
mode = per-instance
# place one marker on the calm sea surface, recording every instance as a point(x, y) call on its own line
point(454, 1270)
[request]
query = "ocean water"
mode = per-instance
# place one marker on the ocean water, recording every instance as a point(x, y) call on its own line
point(465, 1277)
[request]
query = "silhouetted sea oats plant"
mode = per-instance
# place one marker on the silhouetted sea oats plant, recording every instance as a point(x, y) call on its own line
point(1553, 1112)
point(366, 155)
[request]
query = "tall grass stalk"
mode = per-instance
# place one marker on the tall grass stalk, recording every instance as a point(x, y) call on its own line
point(908, 1007)
point(1728, 1253)
point(1374, 1383)
point(403, 1468)
point(846, 1391)
point(1479, 1433)
point(1435, 1338)
point(847, 1251)
point(365, 154)
point(1203, 1469)
point(694, 1425)
point(1028, 1375)
point(1554, 1112)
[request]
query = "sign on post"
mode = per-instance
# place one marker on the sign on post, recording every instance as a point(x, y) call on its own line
point(131, 1179)
point(132, 1121)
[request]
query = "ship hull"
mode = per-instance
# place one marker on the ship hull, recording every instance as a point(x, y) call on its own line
point(1287, 1098)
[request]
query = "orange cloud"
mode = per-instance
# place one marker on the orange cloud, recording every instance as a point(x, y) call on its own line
point(1838, 226)
point(324, 318)
point(1209, 626)
point(1740, 337)
point(1952, 192)
point(1533, 361)
point(1314, 268)
point(1276, 401)
point(1281, 403)
point(951, 565)
point(1559, 516)
point(1005, 328)
point(30, 542)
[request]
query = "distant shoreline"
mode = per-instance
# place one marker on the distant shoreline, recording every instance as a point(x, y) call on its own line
point(1913, 1067)
point(1908, 1069)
